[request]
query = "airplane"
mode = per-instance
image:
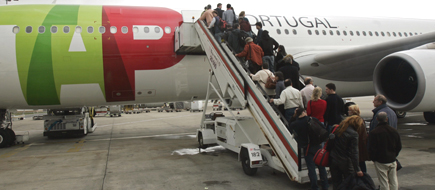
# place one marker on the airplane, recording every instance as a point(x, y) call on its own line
point(70, 56)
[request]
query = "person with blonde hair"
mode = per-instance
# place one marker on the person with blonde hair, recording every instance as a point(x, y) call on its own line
point(291, 70)
point(362, 138)
point(316, 107)
point(343, 158)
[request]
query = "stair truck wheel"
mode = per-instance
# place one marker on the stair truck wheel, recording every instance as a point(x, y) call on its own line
point(201, 141)
point(244, 157)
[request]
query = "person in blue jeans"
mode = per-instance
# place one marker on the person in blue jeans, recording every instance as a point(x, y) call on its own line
point(299, 128)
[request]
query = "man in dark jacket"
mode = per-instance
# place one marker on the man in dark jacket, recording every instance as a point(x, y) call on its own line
point(259, 27)
point(380, 102)
point(234, 40)
point(334, 107)
point(219, 10)
point(384, 146)
point(300, 129)
point(268, 44)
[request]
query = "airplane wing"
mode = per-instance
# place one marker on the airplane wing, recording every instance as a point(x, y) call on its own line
point(358, 63)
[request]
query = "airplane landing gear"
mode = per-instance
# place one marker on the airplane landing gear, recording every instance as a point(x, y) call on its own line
point(7, 135)
point(429, 116)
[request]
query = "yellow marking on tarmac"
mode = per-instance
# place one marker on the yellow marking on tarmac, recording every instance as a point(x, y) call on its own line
point(16, 151)
point(77, 146)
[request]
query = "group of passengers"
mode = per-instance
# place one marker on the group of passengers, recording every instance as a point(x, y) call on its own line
point(350, 144)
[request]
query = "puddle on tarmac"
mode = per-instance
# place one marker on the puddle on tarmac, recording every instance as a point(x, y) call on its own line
point(169, 137)
point(415, 135)
point(194, 151)
point(414, 124)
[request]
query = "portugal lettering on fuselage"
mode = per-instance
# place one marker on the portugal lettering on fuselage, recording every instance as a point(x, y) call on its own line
point(308, 22)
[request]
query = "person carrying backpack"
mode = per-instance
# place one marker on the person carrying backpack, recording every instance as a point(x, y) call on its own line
point(216, 25)
point(234, 39)
point(253, 53)
point(299, 128)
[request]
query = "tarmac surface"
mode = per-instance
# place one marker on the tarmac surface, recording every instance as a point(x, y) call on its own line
point(159, 151)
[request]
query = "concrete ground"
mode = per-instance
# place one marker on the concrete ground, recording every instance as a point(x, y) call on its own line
point(159, 151)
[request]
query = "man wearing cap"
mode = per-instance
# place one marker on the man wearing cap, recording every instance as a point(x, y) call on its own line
point(254, 54)
point(208, 15)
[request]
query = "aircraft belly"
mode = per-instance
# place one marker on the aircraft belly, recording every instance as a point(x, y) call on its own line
point(180, 82)
point(11, 94)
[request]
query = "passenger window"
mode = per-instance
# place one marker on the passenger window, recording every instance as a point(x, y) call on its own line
point(338, 33)
point(54, 29)
point(351, 33)
point(331, 32)
point(400, 34)
point(29, 29)
point(277, 31)
point(78, 29)
point(344, 33)
point(309, 32)
point(382, 33)
point(66, 29)
point(135, 29)
point(416, 33)
point(113, 29)
point(406, 34)
point(286, 31)
point(370, 33)
point(295, 32)
point(90, 29)
point(16, 29)
point(102, 29)
point(124, 29)
point(317, 32)
point(357, 33)
point(388, 34)
point(146, 30)
point(410, 34)
point(168, 30)
point(324, 32)
point(394, 34)
point(376, 33)
point(157, 30)
point(41, 29)
point(364, 33)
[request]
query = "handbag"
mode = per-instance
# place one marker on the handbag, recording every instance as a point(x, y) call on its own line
point(321, 158)
point(270, 83)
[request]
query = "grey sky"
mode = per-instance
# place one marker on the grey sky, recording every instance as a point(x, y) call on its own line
point(368, 8)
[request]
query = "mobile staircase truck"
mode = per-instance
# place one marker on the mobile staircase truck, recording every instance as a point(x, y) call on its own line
point(261, 139)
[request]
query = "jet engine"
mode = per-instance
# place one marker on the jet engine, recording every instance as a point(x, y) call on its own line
point(407, 79)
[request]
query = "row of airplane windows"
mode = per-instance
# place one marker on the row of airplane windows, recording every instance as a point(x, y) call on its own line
point(351, 33)
point(146, 29)
point(90, 29)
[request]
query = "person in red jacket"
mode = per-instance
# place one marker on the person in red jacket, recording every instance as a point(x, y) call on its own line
point(316, 107)
point(254, 54)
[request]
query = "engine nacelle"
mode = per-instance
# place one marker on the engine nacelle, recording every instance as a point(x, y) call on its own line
point(407, 79)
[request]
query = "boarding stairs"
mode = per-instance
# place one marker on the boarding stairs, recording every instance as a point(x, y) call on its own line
point(235, 83)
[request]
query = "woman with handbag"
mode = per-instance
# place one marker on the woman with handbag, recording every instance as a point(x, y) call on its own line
point(343, 157)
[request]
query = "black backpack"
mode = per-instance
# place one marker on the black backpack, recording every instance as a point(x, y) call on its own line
point(242, 37)
point(317, 132)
